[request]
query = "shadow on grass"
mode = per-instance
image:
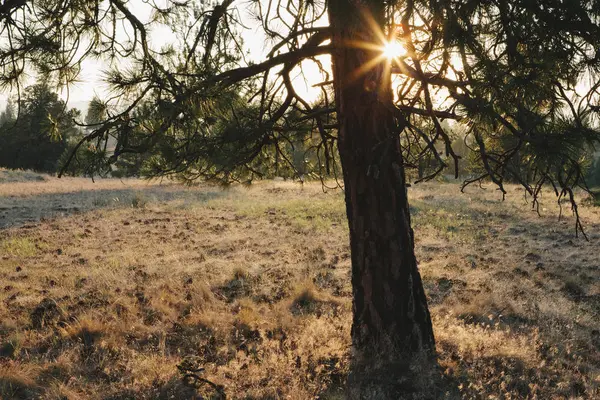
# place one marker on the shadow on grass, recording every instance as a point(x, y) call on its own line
point(502, 376)
point(173, 389)
point(421, 379)
point(17, 389)
point(19, 211)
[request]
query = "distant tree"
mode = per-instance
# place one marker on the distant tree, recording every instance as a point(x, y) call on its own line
point(593, 175)
point(89, 159)
point(8, 116)
point(36, 139)
point(503, 67)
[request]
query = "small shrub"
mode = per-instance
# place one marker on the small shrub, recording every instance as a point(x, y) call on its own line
point(242, 284)
point(139, 200)
point(308, 300)
point(11, 347)
point(595, 196)
point(199, 295)
point(46, 313)
point(573, 289)
point(99, 202)
point(84, 330)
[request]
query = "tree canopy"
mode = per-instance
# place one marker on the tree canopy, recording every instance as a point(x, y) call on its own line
point(36, 135)
point(503, 67)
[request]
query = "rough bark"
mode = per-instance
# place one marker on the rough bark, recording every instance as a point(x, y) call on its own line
point(391, 320)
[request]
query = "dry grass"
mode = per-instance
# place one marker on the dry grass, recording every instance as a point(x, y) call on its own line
point(14, 176)
point(106, 287)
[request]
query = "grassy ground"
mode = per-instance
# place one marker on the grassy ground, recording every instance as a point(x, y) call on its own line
point(105, 288)
point(12, 176)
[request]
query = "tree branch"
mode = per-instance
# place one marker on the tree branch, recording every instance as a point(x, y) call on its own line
point(239, 74)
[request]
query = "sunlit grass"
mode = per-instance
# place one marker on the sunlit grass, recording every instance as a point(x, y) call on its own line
point(19, 246)
point(256, 283)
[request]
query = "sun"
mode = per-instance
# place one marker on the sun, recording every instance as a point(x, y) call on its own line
point(393, 50)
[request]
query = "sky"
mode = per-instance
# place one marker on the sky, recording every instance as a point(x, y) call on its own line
point(90, 79)
point(90, 84)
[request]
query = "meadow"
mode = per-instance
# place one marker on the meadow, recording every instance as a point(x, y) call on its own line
point(107, 287)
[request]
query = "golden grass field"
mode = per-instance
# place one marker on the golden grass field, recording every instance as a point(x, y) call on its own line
point(106, 287)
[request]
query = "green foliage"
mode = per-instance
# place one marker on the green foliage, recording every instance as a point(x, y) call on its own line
point(85, 160)
point(8, 116)
point(198, 108)
point(220, 138)
point(558, 150)
point(96, 112)
point(593, 173)
point(36, 138)
point(595, 192)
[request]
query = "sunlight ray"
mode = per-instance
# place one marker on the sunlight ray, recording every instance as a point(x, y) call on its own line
point(366, 67)
point(360, 44)
point(375, 27)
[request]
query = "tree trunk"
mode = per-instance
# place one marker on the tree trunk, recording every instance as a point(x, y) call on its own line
point(391, 320)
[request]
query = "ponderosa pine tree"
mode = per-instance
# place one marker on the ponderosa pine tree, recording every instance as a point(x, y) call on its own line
point(36, 139)
point(525, 68)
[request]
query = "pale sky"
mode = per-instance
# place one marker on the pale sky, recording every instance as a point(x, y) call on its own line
point(80, 93)
point(91, 84)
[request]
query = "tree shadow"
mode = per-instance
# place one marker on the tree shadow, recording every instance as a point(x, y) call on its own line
point(18, 389)
point(500, 375)
point(421, 377)
point(503, 376)
point(174, 388)
point(18, 211)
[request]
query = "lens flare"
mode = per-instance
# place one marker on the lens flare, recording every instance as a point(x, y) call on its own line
point(393, 50)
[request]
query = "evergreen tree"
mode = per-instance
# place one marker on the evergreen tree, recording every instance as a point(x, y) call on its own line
point(506, 68)
point(8, 116)
point(36, 139)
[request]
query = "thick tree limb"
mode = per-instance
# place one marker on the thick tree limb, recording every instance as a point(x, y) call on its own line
point(239, 74)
